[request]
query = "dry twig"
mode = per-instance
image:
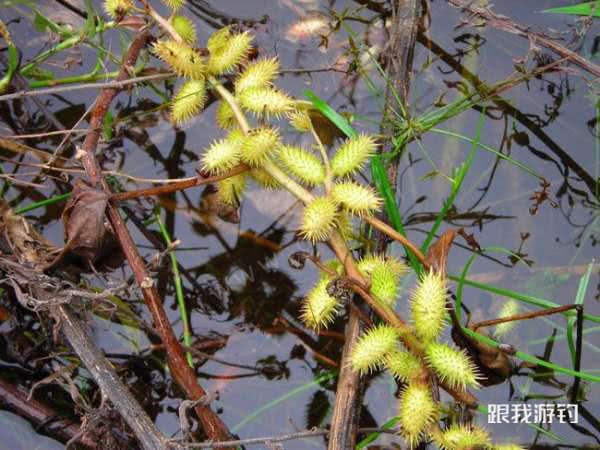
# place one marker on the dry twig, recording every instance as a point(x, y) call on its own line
point(181, 371)
point(503, 23)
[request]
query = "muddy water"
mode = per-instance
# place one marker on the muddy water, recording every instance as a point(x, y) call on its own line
point(243, 267)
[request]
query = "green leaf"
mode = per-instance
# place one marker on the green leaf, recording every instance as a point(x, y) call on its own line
point(13, 64)
point(382, 182)
point(459, 175)
point(580, 9)
point(107, 126)
point(42, 203)
point(37, 73)
point(89, 27)
point(335, 117)
point(579, 298)
point(40, 23)
point(13, 58)
point(373, 436)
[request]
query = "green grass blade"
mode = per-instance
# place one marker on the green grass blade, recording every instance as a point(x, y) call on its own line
point(253, 415)
point(533, 359)
point(580, 9)
point(382, 182)
point(42, 203)
point(579, 298)
point(487, 148)
point(542, 303)
point(13, 65)
point(336, 118)
point(187, 334)
point(373, 436)
point(459, 177)
point(462, 279)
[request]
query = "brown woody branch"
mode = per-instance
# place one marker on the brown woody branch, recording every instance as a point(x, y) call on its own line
point(176, 186)
point(503, 23)
point(182, 373)
point(63, 429)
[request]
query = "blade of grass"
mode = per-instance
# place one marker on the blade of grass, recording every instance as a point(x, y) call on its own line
point(373, 436)
point(579, 298)
point(540, 302)
point(382, 182)
point(580, 9)
point(250, 417)
point(533, 359)
point(543, 303)
point(492, 150)
point(461, 280)
point(560, 337)
point(336, 118)
point(187, 335)
point(459, 175)
point(42, 203)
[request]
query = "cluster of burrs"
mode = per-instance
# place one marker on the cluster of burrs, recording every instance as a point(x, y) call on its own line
point(334, 198)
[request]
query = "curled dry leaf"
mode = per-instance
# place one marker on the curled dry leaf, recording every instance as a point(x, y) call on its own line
point(90, 243)
point(437, 256)
point(20, 239)
point(211, 204)
point(494, 364)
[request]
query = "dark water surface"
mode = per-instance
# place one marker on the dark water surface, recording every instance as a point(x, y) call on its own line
point(244, 267)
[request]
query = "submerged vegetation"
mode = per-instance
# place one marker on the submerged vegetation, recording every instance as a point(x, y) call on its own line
point(360, 318)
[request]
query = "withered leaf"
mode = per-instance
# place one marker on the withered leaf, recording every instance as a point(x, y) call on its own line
point(90, 243)
point(211, 204)
point(437, 256)
point(324, 128)
point(494, 364)
point(20, 239)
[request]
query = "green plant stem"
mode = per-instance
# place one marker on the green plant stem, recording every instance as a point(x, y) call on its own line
point(521, 297)
point(70, 42)
point(328, 172)
point(532, 359)
point(187, 334)
point(42, 203)
point(86, 77)
point(458, 178)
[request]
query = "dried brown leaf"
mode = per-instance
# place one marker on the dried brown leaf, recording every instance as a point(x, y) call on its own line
point(437, 256)
point(20, 239)
point(492, 363)
point(90, 241)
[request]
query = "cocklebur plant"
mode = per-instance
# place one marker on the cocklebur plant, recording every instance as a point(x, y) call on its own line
point(250, 115)
point(184, 28)
point(384, 274)
point(116, 8)
point(418, 411)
